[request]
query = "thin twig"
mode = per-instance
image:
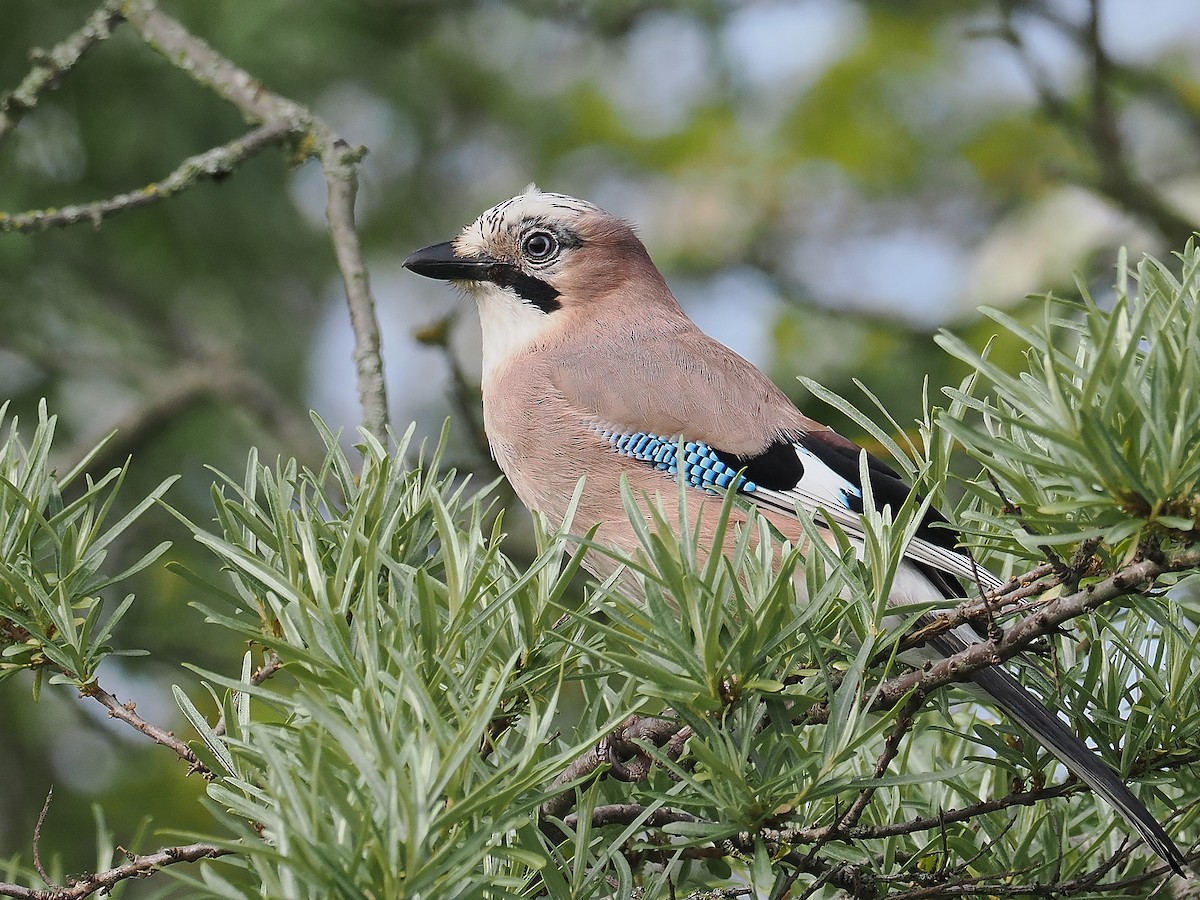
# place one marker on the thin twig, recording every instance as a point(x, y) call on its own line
point(137, 866)
point(49, 67)
point(1065, 788)
point(1008, 601)
point(127, 713)
point(1001, 886)
point(213, 164)
point(37, 838)
point(1114, 176)
point(628, 813)
point(1018, 634)
point(891, 747)
point(614, 754)
point(341, 175)
point(849, 819)
point(339, 161)
point(278, 118)
point(272, 665)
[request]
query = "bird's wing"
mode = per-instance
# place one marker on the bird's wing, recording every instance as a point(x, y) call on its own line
point(817, 470)
point(733, 418)
point(828, 481)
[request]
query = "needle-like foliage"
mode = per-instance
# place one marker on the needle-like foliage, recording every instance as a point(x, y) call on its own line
point(1099, 438)
point(418, 716)
point(53, 547)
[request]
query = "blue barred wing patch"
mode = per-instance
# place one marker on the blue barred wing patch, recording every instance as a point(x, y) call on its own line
point(700, 464)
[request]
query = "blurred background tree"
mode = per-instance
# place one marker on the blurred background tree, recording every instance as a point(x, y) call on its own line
point(824, 182)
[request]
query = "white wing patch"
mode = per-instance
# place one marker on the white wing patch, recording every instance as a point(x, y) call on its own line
point(825, 492)
point(821, 486)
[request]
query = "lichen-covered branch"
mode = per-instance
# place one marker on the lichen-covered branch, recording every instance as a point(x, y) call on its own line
point(50, 66)
point(211, 165)
point(277, 120)
point(314, 137)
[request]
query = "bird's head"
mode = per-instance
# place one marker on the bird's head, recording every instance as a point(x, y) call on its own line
point(537, 263)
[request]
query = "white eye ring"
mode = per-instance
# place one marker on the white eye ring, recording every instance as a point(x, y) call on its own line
point(539, 246)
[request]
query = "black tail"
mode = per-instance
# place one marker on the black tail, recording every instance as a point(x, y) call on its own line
point(1032, 715)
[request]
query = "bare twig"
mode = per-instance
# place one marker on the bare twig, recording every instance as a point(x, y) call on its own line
point(212, 164)
point(853, 813)
point(272, 665)
point(1065, 788)
point(719, 894)
point(135, 867)
point(628, 813)
point(1006, 601)
point(49, 67)
point(341, 174)
point(1000, 886)
point(1114, 176)
point(614, 754)
point(127, 713)
point(279, 120)
point(891, 747)
point(338, 159)
point(37, 838)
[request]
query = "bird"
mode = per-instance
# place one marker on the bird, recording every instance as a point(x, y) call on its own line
point(592, 368)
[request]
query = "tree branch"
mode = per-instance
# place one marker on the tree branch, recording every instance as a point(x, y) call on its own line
point(341, 174)
point(1020, 634)
point(339, 161)
point(612, 752)
point(278, 118)
point(136, 867)
point(127, 713)
point(628, 813)
point(1097, 125)
point(979, 886)
point(270, 666)
point(49, 67)
point(37, 839)
point(213, 164)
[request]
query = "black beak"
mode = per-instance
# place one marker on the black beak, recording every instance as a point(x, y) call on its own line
point(440, 261)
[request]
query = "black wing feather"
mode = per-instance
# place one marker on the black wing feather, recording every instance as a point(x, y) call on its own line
point(887, 486)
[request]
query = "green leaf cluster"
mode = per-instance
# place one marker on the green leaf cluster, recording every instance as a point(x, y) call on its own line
point(1097, 438)
point(416, 715)
point(404, 746)
point(54, 541)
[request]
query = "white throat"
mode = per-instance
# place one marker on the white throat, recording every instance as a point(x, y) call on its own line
point(509, 325)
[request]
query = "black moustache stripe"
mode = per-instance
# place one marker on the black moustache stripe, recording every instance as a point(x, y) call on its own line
point(532, 290)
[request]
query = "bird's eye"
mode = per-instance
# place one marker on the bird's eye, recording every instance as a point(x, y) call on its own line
point(539, 246)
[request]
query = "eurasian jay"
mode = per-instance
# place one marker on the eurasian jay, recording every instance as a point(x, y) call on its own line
point(592, 369)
